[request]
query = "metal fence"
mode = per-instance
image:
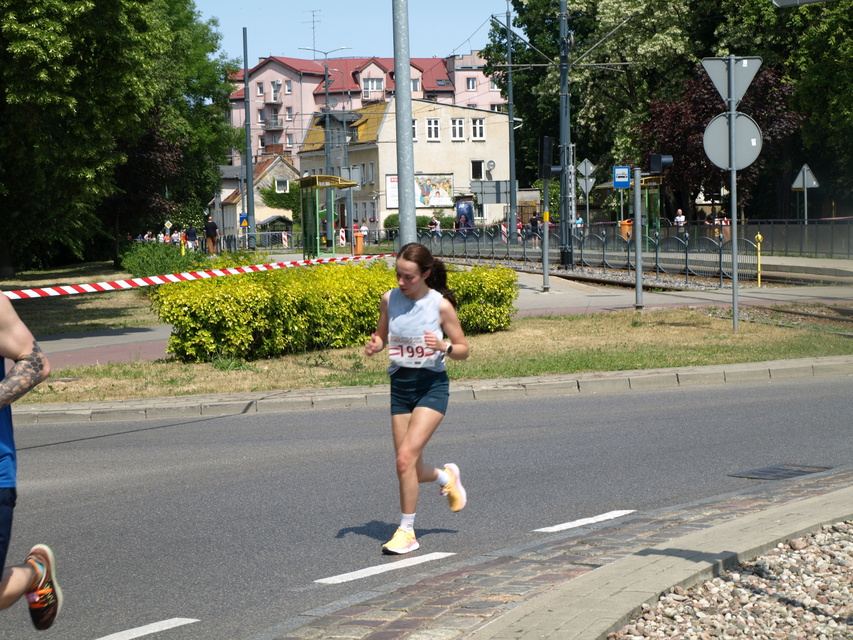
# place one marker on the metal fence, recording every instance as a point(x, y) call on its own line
point(704, 255)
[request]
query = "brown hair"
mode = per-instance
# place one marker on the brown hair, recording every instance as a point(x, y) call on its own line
point(437, 279)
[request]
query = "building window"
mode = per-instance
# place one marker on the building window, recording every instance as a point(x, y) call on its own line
point(433, 130)
point(288, 86)
point(371, 175)
point(282, 186)
point(477, 169)
point(471, 84)
point(288, 113)
point(414, 129)
point(416, 84)
point(363, 178)
point(289, 139)
point(498, 108)
point(473, 106)
point(262, 116)
point(457, 128)
point(260, 88)
point(372, 209)
point(493, 86)
point(478, 129)
point(275, 138)
point(373, 84)
point(261, 144)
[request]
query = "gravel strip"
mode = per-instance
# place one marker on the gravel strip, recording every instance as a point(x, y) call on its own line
point(799, 591)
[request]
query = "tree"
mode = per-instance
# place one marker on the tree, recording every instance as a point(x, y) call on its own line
point(678, 127)
point(171, 171)
point(75, 75)
point(82, 83)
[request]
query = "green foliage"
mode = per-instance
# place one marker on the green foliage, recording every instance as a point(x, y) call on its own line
point(486, 297)
point(82, 82)
point(305, 309)
point(291, 200)
point(145, 259)
point(392, 221)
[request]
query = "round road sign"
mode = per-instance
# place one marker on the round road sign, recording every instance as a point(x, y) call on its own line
point(747, 141)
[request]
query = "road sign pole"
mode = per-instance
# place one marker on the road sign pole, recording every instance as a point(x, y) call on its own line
point(733, 188)
point(637, 230)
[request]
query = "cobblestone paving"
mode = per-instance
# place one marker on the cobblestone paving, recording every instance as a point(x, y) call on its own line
point(454, 604)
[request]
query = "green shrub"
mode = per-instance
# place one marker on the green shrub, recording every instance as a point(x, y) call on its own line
point(145, 259)
point(302, 309)
point(485, 297)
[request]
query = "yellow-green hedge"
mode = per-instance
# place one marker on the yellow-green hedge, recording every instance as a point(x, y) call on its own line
point(272, 313)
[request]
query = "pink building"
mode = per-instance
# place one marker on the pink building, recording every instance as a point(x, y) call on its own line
point(284, 93)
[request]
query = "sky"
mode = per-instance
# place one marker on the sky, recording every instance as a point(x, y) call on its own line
point(280, 27)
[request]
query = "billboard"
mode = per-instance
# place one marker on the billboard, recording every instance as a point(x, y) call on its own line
point(430, 189)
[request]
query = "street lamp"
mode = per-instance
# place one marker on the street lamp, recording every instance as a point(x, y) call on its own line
point(330, 227)
point(795, 3)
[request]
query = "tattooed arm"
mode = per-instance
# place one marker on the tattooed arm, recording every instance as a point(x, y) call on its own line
point(19, 345)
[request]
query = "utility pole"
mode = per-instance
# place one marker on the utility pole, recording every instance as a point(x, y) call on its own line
point(327, 146)
point(567, 173)
point(513, 196)
point(250, 182)
point(403, 112)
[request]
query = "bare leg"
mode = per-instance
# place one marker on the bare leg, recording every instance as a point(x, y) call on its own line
point(411, 434)
point(15, 582)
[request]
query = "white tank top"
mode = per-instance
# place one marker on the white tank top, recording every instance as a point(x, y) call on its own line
point(407, 321)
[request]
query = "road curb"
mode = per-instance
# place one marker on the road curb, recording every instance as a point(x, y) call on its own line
point(602, 601)
point(461, 391)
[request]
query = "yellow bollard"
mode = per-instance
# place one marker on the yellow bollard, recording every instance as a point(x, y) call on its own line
point(758, 239)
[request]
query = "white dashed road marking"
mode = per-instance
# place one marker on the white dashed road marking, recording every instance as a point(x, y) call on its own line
point(391, 566)
point(610, 515)
point(148, 629)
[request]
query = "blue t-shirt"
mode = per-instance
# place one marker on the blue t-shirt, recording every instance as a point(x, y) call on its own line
point(8, 458)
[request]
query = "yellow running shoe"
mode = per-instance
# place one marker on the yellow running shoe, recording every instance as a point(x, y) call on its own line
point(402, 542)
point(455, 492)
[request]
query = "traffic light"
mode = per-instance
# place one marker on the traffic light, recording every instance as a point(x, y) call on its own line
point(546, 157)
point(657, 162)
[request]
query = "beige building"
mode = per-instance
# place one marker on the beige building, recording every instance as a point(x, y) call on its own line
point(457, 150)
point(274, 171)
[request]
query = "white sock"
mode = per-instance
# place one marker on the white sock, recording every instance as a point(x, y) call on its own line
point(407, 521)
point(443, 477)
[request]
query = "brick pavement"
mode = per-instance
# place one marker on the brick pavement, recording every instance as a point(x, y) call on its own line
point(462, 601)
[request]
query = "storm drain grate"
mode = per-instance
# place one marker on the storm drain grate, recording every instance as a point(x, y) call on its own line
point(779, 472)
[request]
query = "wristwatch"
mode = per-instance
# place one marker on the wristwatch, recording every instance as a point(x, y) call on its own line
point(449, 349)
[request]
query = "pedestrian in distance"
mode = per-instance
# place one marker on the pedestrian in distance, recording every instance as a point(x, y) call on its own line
point(36, 577)
point(414, 320)
point(211, 234)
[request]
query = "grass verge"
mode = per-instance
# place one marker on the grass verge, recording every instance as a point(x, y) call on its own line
point(614, 341)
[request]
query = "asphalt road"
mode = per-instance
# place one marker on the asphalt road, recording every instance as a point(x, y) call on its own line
point(231, 521)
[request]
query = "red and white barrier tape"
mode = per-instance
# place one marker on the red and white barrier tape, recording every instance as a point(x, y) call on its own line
point(120, 285)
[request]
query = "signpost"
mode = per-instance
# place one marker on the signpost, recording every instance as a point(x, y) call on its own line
point(621, 180)
point(586, 182)
point(731, 77)
point(804, 181)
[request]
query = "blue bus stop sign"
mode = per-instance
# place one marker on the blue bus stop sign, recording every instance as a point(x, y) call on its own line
point(621, 177)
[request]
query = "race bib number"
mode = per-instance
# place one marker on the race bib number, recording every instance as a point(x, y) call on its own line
point(411, 352)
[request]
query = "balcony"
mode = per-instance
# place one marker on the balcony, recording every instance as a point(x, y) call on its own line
point(273, 97)
point(274, 124)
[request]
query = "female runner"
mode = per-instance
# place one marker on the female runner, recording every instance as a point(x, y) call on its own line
point(414, 320)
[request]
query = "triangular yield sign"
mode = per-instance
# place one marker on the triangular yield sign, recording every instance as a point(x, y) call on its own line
point(744, 70)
